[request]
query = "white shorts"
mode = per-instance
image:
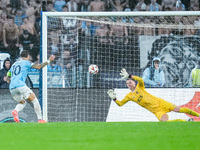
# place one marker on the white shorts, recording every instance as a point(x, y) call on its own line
point(21, 93)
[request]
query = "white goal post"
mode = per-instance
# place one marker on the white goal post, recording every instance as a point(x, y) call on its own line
point(44, 44)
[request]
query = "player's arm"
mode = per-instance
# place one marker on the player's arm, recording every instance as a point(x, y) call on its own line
point(112, 95)
point(125, 75)
point(8, 76)
point(42, 65)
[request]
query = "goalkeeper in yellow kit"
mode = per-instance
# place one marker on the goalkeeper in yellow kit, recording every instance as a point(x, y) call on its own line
point(159, 107)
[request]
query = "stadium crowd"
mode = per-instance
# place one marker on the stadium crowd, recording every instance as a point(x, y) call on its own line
point(20, 24)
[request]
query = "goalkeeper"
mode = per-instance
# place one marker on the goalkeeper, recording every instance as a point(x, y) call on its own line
point(159, 107)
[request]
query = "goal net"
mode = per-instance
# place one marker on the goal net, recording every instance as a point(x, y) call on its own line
point(112, 41)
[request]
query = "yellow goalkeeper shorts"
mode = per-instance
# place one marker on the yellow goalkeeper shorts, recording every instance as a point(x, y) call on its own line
point(164, 108)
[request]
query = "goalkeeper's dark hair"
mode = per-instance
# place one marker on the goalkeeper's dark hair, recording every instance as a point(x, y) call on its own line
point(136, 82)
point(24, 53)
point(131, 79)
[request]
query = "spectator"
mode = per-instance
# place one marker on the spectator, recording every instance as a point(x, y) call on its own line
point(186, 22)
point(3, 18)
point(153, 76)
point(164, 30)
point(65, 61)
point(149, 29)
point(97, 5)
point(167, 4)
point(16, 4)
point(194, 80)
point(154, 6)
point(26, 42)
point(37, 15)
point(28, 26)
point(85, 6)
point(102, 38)
point(10, 38)
point(18, 17)
point(118, 34)
point(178, 6)
point(194, 5)
point(3, 72)
point(50, 7)
point(65, 8)
point(4, 3)
point(86, 28)
point(118, 5)
point(59, 4)
point(102, 33)
point(30, 10)
point(194, 2)
point(10, 11)
point(72, 6)
point(141, 6)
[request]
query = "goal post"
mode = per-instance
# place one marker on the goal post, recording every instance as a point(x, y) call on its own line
point(72, 94)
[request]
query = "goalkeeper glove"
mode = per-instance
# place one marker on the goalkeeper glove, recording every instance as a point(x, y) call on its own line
point(112, 94)
point(124, 74)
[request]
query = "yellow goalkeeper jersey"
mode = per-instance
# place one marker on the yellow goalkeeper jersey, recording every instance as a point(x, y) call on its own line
point(152, 103)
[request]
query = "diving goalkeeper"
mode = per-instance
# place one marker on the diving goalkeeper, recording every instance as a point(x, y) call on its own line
point(159, 107)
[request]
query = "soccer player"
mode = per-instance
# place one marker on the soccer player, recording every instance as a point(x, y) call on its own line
point(159, 107)
point(16, 76)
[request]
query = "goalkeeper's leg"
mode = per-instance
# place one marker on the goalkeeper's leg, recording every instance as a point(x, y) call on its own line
point(165, 117)
point(186, 110)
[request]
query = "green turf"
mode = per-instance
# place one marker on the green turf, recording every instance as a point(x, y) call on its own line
point(100, 136)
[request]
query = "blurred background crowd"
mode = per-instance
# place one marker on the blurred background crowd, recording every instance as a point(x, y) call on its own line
point(20, 23)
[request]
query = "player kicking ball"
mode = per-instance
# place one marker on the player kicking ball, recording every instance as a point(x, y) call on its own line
point(20, 92)
point(159, 107)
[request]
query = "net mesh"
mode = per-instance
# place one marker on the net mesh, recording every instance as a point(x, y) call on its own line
point(113, 43)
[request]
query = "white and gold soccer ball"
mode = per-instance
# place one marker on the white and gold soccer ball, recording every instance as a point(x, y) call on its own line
point(93, 69)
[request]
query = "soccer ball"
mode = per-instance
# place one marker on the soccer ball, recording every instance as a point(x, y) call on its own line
point(93, 69)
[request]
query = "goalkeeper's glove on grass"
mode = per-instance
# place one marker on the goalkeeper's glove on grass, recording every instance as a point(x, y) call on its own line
point(112, 94)
point(125, 74)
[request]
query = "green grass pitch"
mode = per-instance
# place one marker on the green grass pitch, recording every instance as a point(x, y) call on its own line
point(100, 136)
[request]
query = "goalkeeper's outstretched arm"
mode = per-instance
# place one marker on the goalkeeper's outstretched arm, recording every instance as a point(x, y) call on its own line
point(112, 95)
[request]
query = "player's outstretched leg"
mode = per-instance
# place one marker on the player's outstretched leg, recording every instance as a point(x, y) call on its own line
point(165, 117)
point(188, 111)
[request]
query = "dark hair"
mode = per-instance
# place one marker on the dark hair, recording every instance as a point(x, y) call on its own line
point(65, 6)
point(10, 17)
point(24, 53)
point(131, 79)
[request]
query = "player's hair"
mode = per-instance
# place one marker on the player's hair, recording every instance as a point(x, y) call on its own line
point(131, 79)
point(24, 53)
point(136, 82)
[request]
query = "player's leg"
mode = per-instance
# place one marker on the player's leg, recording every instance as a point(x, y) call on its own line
point(165, 117)
point(186, 110)
point(36, 106)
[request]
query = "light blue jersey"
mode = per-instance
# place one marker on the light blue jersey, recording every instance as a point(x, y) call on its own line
point(19, 71)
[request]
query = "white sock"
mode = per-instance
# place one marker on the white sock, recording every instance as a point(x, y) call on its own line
point(20, 106)
point(37, 108)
